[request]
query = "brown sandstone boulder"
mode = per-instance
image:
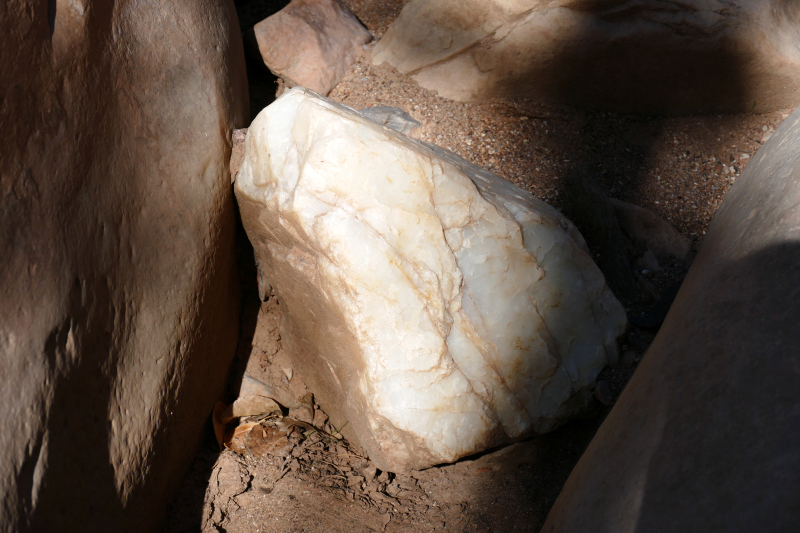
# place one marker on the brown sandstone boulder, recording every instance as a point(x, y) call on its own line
point(119, 308)
point(650, 56)
point(310, 43)
point(704, 437)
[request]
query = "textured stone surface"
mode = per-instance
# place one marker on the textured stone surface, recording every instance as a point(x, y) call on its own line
point(118, 315)
point(592, 212)
point(311, 43)
point(435, 307)
point(629, 55)
point(647, 230)
point(391, 117)
point(704, 437)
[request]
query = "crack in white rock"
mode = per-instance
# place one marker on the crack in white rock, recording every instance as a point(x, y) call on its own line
point(434, 270)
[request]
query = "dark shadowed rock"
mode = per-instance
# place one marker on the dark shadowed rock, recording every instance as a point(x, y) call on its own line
point(649, 231)
point(704, 437)
point(118, 316)
point(592, 212)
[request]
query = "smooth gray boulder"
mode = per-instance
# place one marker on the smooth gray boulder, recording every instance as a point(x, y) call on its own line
point(705, 436)
point(119, 308)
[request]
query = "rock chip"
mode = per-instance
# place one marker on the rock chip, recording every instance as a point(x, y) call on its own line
point(237, 152)
point(704, 437)
point(435, 308)
point(119, 309)
point(391, 117)
point(310, 43)
point(653, 56)
point(648, 230)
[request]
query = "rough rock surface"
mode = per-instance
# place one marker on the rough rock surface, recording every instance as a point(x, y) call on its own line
point(704, 437)
point(628, 55)
point(435, 307)
point(119, 299)
point(594, 215)
point(391, 117)
point(647, 230)
point(310, 43)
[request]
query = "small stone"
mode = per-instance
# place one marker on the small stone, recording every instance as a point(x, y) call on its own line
point(354, 480)
point(603, 393)
point(250, 406)
point(304, 409)
point(649, 230)
point(310, 43)
point(319, 418)
point(629, 358)
point(239, 136)
point(391, 117)
point(370, 471)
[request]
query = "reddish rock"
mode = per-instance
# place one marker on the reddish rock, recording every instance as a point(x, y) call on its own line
point(311, 43)
point(119, 308)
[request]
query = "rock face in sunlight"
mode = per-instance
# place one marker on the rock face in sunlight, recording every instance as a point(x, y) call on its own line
point(435, 307)
point(310, 43)
point(644, 56)
point(704, 437)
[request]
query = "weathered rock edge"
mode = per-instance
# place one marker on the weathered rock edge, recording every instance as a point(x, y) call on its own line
point(119, 307)
point(643, 56)
point(704, 437)
point(315, 216)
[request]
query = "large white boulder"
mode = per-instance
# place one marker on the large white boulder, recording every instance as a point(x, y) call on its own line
point(435, 307)
point(645, 56)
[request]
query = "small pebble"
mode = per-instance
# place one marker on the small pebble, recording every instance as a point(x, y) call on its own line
point(603, 393)
point(629, 359)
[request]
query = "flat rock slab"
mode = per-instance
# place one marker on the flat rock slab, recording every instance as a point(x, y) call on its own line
point(434, 307)
point(311, 43)
point(648, 56)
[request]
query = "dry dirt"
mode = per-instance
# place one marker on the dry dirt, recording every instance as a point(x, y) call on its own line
point(680, 168)
point(314, 481)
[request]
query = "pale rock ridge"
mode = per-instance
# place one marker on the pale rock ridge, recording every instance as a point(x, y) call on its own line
point(432, 305)
point(657, 56)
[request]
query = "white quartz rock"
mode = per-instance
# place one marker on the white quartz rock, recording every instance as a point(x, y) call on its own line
point(434, 307)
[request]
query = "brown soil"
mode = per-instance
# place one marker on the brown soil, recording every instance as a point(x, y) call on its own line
point(679, 168)
point(315, 481)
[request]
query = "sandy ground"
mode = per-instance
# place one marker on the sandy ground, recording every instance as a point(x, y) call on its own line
point(680, 168)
